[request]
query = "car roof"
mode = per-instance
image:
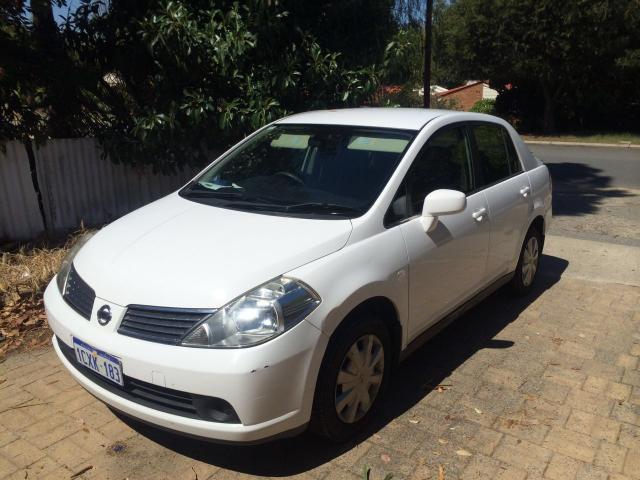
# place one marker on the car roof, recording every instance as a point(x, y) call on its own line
point(402, 118)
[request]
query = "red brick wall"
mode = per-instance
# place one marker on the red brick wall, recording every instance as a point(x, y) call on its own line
point(465, 97)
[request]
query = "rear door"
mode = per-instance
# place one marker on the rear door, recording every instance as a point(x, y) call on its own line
point(508, 192)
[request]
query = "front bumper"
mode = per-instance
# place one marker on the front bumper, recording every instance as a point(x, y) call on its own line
point(270, 386)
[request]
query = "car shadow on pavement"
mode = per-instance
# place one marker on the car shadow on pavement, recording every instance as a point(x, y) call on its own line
point(579, 189)
point(423, 371)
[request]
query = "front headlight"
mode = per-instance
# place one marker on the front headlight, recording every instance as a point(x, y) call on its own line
point(256, 316)
point(65, 267)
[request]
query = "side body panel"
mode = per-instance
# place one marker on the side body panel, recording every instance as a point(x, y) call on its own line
point(510, 206)
point(447, 265)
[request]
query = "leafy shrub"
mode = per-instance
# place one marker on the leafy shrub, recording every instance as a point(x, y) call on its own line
point(486, 105)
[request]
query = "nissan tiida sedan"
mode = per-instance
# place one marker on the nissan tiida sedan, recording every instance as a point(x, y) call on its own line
point(280, 287)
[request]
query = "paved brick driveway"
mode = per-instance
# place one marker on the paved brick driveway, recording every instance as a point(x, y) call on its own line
point(542, 387)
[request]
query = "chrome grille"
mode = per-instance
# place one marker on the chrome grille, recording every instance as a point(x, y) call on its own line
point(78, 294)
point(160, 324)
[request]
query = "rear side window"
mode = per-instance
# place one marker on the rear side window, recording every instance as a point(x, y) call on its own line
point(444, 162)
point(497, 157)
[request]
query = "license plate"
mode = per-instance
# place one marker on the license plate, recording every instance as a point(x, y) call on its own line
point(100, 362)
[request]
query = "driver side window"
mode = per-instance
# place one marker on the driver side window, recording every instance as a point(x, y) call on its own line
point(443, 162)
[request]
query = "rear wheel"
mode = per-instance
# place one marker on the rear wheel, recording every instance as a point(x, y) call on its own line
point(528, 263)
point(352, 378)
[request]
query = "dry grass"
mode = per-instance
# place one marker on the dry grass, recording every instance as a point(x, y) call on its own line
point(24, 274)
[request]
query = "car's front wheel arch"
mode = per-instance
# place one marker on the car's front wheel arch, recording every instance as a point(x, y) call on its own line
point(376, 317)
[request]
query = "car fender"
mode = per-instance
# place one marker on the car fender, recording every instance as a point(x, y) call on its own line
point(375, 267)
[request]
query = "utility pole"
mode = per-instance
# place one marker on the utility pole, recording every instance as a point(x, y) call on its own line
point(426, 77)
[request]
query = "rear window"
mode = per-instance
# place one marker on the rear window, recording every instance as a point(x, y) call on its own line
point(497, 156)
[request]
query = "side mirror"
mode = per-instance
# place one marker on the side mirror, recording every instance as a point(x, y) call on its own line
point(441, 202)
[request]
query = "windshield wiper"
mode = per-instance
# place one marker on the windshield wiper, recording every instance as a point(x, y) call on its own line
point(322, 207)
point(241, 195)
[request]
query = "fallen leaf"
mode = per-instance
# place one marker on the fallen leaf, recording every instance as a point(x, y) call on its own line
point(478, 411)
point(414, 421)
point(463, 453)
point(385, 458)
point(441, 472)
point(443, 441)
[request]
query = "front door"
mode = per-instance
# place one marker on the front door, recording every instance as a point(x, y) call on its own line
point(446, 265)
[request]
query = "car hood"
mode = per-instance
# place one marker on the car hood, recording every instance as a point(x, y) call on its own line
point(178, 253)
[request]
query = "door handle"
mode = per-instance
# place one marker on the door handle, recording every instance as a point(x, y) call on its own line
point(478, 215)
point(524, 191)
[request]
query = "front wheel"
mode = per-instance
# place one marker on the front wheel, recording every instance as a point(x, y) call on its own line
point(352, 378)
point(528, 263)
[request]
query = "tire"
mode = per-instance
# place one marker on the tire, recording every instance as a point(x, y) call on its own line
point(362, 332)
point(527, 269)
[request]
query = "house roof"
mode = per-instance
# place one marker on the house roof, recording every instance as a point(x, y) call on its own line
point(462, 87)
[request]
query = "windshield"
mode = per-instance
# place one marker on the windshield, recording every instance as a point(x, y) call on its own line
point(318, 170)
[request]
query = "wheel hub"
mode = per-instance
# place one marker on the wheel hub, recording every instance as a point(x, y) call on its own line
point(530, 259)
point(359, 378)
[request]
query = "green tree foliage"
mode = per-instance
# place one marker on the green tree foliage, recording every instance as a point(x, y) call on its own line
point(574, 62)
point(486, 105)
point(170, 82)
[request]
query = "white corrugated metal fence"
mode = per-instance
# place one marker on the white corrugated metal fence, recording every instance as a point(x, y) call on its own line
point(77, 186)
point(20, 216)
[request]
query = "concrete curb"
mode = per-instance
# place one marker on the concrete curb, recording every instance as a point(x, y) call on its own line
point(581, 144)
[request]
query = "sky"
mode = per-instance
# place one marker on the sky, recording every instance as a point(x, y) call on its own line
point(63, 12)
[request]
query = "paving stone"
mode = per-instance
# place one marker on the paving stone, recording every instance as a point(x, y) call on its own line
point(572, 444)
point(632, 464)
point(629, 436)
point(381, 459)
point(401, 437)
point(117, 430)
point(353, 455)
point(520, 426)
point(578, 349)
point(484, 441)
point(589, 424)
point(481, 467)
point(6, 467)
point(522, 454)
point(603, 370)
point(94, 415)
point(627, 361)
point(626, 412)
point(49, 431)
point(503, 377)
point(590, 402)
point(561, 468)
point(611, 456)
point(564, 376)
point(22, 453)
point(551, 392)
point(631, 377)
point(591, 472)
point(67, 453)
point(12, 397)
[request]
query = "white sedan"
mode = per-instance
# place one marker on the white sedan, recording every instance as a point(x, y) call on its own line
point(279, 287)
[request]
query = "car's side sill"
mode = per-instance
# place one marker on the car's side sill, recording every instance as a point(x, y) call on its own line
point(437, 327)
